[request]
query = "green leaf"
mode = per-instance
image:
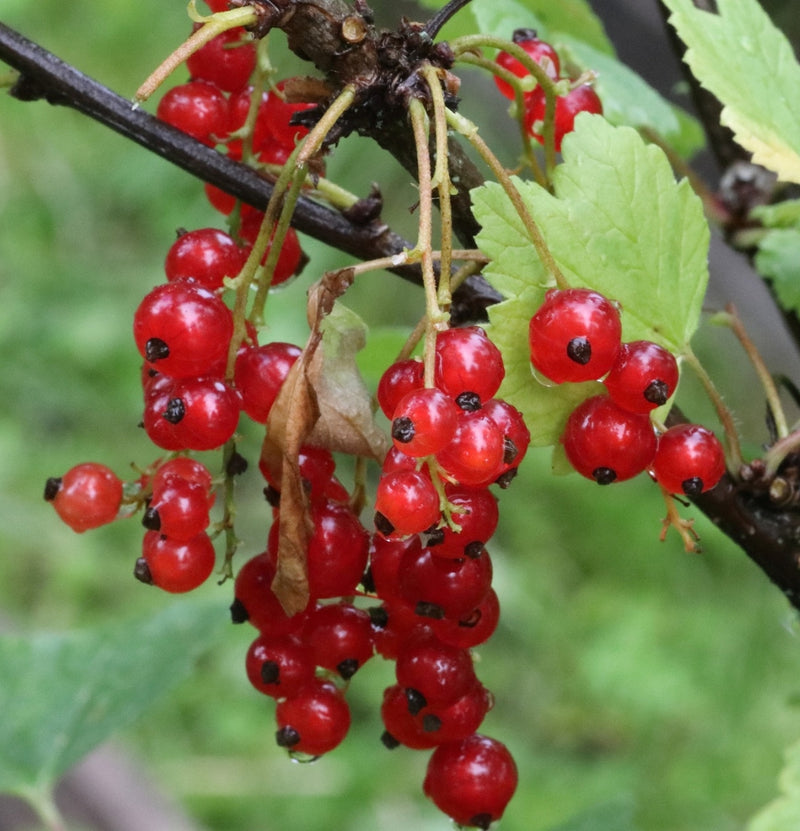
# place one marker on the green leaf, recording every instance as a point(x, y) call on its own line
point(748, 64)
point(619, 223)
point(784, 812)
point(64, 694)
point(629, 100)
point(778, 259)
point(784, 214)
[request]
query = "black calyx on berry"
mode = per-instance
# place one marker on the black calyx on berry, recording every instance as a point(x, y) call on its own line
point(237, 465)
point(287, 737)
point(657, 392)
point(604, 475)
point(175, 410)
point(693, 486)
point(156, 350)
point(510, 451)
point(403, 429)
point(505, 479)
point(239, 613)
point(378, 617)
point(579, 350)
point(141, 571)
point(431, 723)
point(270, 672)
point(416, 701)
point(383, 525)
point(51, 487)
point(474, 549)
point(482, 821)
point(151, 519)
point(523, 35)
point(389, 741)
point(347, 668)
point(431, 610)
point(469, 401)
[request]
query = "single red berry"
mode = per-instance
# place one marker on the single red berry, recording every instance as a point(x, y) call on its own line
point(279, 665)
point(578, 100)
point(277, 113)
point(291, 254)
point(643, 376)
point(439, 673)
point(476, 512)
point(467, 361)
point(385, 557)
point(228, 60)
point(197, 108)
point(606, 443)
point(458, 719)
point(574, 335)
point(399, 379)
point(314, 720)
point(340, 638)
point(474, 455)
point(443, 587)
point(206, 255)
point(689, 459)
point(423, 422)
point(401, 726)
point(178, 509)
point(259, 374)
point(540, 51)
point(337, 552)
point(177, 565)
point(471, 780)
point(187, 469)
point(516, 436)
point(86, 496)
point(406, 502)
point(204, 412)
point(471, 629)
point(183, 329)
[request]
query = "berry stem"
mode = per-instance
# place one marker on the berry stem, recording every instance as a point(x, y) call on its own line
point(216, 25)
point(730, 317)
point(470, 132)
point(733, 449)
point(685, 527)
point(227, 522)
point(423, 249)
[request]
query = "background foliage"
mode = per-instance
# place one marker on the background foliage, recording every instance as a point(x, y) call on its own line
point(638, 687)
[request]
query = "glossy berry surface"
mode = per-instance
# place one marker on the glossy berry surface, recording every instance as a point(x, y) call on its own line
point(606, 443)
point(406, 502)
point(399, 379)
point(540, 51)
point(259, 374)
point(423, 422)
point(178, 509)
point(438, 672)
point(471, 780)
point(204, 412)
point(227, 60)
point(86, 496)
point(689, 460)
point(206, 255)
point(643, 376)
point(578, 100)
point(183, 330)
point(340, 638)
point(467, 361)
point(279, 665)
point(178, 566)
point(197, 108)
point(314, 720)
point(574, 336)
point(337, 552)
point(474, 455)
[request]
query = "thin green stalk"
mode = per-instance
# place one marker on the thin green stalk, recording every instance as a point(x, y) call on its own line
point(733, 449)
point(217, 24)
point(470, 132)
point(228, 519)
point(419, 125)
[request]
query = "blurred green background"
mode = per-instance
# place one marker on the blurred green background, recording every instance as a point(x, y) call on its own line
point(627, 674)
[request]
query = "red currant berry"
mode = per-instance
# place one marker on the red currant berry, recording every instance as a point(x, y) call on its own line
point(516, 436)
point(458, 719)
point(423, 422)
point(279, 665)
point(277, 113)
point(206, 256)
point(385, 556)
point(176, 565)
point(406, 503)
point(689, 460)
point(476, 513)
point(337, 552)
point(340, 638)
point(474, 455)
point(399, 379)
point(178, 509)
point(472, 629)
point(401, 726)
point(259, 375)
point(574, 336)
point(184, 468)
point(606, 443)
point(290, 258)
point(86, 496)
point(540, 51)
point(471, 780)
point(227, 60)
point(314, 720)
point(467, 361)
point(183, 329)
point(643, 376)
point(196, 108)
point(204, 413)
point(578, 100)
point(439, 673)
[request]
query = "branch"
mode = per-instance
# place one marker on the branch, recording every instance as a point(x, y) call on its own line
point(45, 76)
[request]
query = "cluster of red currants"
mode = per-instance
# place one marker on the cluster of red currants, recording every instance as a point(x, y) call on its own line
point(580, 98)
point(431, 575)
point(576, 336)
